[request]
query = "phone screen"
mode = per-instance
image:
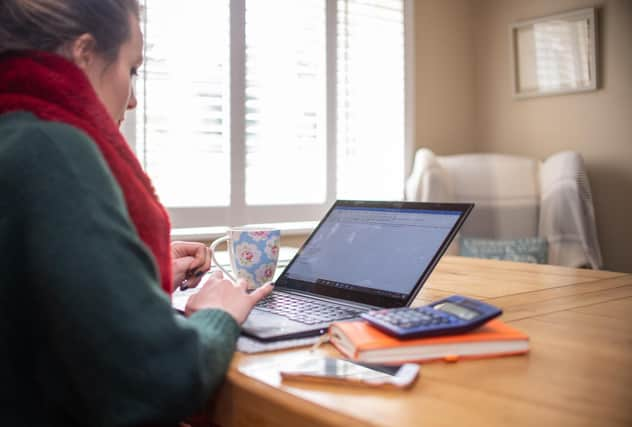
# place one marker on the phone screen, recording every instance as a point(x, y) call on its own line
point(344, 370)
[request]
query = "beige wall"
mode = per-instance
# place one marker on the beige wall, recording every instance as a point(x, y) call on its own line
point(484, 116)
point(444, 77)
point(596, 124)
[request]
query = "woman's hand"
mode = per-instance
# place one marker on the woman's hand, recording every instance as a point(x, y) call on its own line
point(190, 261)
point(221, 293)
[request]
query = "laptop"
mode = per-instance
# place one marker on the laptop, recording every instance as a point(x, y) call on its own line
point(363, 255)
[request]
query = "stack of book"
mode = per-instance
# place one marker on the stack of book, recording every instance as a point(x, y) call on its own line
point(360, 341)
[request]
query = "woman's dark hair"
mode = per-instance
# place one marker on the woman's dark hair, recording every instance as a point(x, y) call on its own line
point(49, 25)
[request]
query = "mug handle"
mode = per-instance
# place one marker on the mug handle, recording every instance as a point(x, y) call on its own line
point(212, 248)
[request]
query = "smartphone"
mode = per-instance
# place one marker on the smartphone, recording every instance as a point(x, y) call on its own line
point(333, 370)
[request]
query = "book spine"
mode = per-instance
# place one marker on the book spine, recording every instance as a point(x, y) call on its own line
point(344, 351)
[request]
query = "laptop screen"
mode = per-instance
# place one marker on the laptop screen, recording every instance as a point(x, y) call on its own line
point(377, 253)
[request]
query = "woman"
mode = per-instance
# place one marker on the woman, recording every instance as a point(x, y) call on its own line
point(88, 337)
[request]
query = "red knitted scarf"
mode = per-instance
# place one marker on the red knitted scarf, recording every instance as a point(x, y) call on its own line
point(54, 89)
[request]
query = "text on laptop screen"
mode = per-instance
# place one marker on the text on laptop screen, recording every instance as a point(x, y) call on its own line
point(379, 249)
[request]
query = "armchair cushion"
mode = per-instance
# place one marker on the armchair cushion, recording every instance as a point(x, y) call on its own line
point(529, 249)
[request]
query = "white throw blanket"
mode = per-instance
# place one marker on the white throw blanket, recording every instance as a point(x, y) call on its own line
point(567, 217)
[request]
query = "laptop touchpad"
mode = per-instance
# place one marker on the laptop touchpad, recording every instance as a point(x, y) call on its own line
point(262, 323)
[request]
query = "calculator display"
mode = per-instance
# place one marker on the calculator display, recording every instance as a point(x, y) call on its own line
point(457, 310)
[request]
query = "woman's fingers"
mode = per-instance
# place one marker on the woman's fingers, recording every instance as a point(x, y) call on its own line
point(242, 284)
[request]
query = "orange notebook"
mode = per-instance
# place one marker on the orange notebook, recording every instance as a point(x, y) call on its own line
point(360, 341)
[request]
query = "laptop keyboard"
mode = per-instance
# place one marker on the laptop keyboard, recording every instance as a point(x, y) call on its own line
point(305, 310)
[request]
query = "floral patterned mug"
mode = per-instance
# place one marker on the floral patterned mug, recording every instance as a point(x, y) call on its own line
point(253, 254)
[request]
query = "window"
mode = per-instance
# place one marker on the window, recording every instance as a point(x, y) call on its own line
point(264, 111)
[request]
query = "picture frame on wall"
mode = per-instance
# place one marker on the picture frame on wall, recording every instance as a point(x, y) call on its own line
point(554, 55)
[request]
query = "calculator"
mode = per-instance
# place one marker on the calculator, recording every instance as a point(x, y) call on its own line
point(452, 315)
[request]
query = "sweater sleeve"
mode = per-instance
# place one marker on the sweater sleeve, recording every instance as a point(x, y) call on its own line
point(113, 345)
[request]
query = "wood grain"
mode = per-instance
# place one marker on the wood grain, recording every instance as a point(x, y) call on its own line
point(578, 371)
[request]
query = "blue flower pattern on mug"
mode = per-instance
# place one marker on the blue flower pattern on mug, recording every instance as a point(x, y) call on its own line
point(265, 273)
point(272, 248)
point(247, 254)
point(256, 254)
point(258, 235)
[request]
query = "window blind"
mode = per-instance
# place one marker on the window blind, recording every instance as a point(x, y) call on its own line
point(285, 102)
point(182, 132)
point(370, 99)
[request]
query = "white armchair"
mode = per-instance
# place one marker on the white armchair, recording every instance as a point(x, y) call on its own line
point(519, 201)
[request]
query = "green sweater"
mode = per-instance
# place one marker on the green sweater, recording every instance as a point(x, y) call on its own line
point(87, 337)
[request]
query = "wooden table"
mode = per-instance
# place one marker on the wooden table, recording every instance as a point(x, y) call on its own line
point(578, 372)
